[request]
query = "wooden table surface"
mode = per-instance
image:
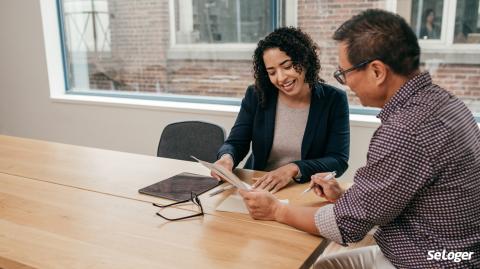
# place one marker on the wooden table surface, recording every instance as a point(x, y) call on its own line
point(65, 206)
point(118, 173)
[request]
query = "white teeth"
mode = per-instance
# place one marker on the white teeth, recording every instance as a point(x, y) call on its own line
point(287, 84)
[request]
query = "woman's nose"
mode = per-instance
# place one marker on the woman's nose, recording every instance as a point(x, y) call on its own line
point(281, 77)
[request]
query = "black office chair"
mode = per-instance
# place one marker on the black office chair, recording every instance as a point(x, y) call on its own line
point(179, 140)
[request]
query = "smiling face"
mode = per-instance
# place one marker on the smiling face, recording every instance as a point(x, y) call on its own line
point(283, 75)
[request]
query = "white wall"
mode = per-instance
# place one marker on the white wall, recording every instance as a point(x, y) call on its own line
point(26, 109)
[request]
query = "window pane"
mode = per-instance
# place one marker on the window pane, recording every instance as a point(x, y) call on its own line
point(87, 23)
point(133, 47)
point(123, 45)
point(222, 21)
point(426, 18)
point(467, 22)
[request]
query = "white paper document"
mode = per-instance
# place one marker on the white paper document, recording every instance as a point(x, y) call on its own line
point(234, 203)
point(225, 174)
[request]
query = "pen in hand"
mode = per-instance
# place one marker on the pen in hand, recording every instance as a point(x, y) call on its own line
point(327, 177)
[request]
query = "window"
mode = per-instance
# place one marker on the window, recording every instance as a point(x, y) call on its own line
point(201, 50)
point(165, 49)
point(444, 25)
point(449, 36)
point(467, 22)
point(220, 21)
point(224, 29)
point(87, 35)
point(87, 25)
point(424, 21)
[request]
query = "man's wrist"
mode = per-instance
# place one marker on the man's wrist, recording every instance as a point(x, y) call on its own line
point(280, 212)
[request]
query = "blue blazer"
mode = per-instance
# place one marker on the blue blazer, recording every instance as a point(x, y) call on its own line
point(326, 141)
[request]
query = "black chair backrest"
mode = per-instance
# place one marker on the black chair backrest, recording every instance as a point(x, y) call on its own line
point(179, 140)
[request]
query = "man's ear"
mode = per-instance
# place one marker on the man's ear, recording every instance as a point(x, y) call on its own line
point(379, 72)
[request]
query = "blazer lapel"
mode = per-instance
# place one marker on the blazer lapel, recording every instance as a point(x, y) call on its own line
point(316, 105)
point(270, 113)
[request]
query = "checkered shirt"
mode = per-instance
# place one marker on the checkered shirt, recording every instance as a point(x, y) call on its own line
point(421, 183)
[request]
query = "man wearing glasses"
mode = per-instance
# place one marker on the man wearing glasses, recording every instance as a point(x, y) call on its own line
point(421, 180)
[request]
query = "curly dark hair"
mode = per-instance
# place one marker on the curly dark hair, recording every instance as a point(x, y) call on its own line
point(298, 46)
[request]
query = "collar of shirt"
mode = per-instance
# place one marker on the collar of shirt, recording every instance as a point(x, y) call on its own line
point(412, 86)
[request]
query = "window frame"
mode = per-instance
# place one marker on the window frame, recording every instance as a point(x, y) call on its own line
point(97, 21)
point(58, 82)
point(223, 51)
point(444, 50)
point(58, 79)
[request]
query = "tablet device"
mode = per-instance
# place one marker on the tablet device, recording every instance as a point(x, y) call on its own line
point(180, 187)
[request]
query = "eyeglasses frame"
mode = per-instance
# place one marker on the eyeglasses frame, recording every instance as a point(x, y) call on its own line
point(338, 74)
point(194, 199)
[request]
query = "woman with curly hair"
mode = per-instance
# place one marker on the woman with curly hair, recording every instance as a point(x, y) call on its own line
point(297, 124)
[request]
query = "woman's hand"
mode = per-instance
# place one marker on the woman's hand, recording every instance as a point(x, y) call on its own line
point(276, 179)
point(225, 161)
point(262, 205)
point(326, 188)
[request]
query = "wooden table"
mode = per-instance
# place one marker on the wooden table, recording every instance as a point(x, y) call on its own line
point(64, 206)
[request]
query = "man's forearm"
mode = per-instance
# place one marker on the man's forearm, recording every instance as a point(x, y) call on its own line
point(302, 218)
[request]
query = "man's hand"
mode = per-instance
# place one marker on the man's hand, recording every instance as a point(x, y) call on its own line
point(326, 188)
point(276, 179)
point(261, 204)
point(225, 161)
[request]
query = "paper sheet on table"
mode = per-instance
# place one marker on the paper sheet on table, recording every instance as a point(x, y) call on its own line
point(234, 203)
point(225, 174)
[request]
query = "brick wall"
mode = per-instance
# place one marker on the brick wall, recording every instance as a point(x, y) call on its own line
point(461, 80)
point(140, 39)
point(320, 19)
point(215, 78)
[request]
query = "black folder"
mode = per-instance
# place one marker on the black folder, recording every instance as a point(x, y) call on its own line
point(180, 187)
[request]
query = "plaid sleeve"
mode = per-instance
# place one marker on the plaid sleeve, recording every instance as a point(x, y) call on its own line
point(397, 169)
point(327, 225)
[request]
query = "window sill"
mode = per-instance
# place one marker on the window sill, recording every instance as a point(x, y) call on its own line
point(368, 121)
point(450, 56)
point(183, 107)
point(356, 120)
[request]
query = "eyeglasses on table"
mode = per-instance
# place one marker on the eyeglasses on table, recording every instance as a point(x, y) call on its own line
point(194, 199)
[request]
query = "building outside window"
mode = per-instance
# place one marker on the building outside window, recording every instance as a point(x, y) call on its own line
point(217, 22)
point(467, 22)
point(426, 19)
point(449, 35)
point(201, 50)
point(87, 37)
point(452, 22)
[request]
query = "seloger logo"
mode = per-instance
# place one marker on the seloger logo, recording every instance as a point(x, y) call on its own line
point(448, 256)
